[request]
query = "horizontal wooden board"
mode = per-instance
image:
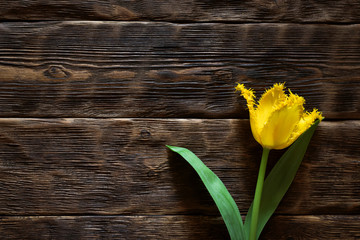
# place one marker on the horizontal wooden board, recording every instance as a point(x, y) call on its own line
point(173, 227)
point(143, 69)
point(189, 10)
point(121, 166)
point(313, 227)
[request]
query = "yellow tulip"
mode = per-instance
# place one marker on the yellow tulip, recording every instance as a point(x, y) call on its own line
point(278, 119)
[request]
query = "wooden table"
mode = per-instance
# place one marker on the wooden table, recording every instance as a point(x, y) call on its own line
point(92, 90)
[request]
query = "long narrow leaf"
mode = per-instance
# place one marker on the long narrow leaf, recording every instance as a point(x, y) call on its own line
point(279, 180)
point(223, 200)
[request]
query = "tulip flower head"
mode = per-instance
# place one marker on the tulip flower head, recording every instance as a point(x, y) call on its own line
point(278, 119)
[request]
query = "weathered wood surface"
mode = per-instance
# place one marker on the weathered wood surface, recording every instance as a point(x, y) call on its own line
point(188, 11)
point(144, 69)
point(109, 178)
point(121, 166)
point(173, 227)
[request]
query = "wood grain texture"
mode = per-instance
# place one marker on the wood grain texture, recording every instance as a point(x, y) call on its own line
point(187, 10)
point(313, 227)
point(144, 69)
point(173, 227)
point(86, 108)
point(121, 166)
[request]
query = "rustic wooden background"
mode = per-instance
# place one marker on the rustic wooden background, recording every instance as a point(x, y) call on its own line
point(92, 90)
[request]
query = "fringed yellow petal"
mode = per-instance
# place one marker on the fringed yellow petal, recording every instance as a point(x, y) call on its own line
point(254, 128)
point(296, 100)
point(280, 125)
point(273, 95)
point(305, 122)
point(249, 96)
point(271, 100)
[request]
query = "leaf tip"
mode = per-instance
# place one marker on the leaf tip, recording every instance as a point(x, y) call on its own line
point(170, 147)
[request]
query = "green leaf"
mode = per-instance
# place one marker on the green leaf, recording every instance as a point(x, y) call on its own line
point(223, 200)
point(279, 180)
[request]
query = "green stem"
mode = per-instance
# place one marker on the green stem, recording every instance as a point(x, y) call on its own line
point(258, 191)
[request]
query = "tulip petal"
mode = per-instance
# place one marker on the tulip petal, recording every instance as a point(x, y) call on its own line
point(254, 127)
point(268, 102)
point(305, 122)
point(249, 96)
point(280, 125)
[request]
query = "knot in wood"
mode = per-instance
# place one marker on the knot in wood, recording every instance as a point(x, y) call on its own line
point(56, 72)
point(224, 75)
point(145, 134)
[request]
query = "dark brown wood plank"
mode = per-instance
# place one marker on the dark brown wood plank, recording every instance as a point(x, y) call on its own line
point(173, 227)
point(121, 166)
point(189, 10)
point(96, 69)
point(313, 227)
